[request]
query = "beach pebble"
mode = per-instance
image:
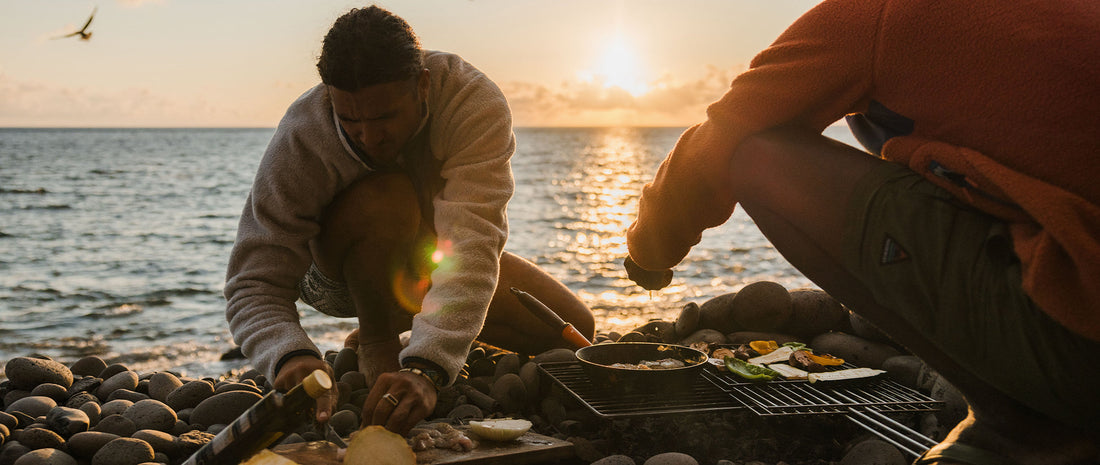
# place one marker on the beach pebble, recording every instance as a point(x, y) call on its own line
point(116, 424)
point(715, 314)
point(14, 395)
point(159, 440)
point(49, 456)
point(12, 451)
point(671, 458)
point(761, 306)
point(85, 445)
point(23, 420)
point(710, 336)
point(954, 408)
point(854, 349)
point(356, 380)
point(556, 355)
point(634, 336)
point(347, 361)
point(466, 412)
point(8, 420)
point(873, 452)
point(34, 406)
point(615, 460)
point(584, 449)
point(191, 441)
point(227, 387)
point(126, 394)
point(223, 408)
point(54, 391)
point(112, 370)
point(345, 422)
point(41, 438)
point(93, 411)
point(510, 392)
point(904, 369)
point(67, 421)
point(189, 395)
point(25, 373)
point(124, 451)
point(163, 383)
point(79, 399)
point(89, 384)
point(688, 320)
point(151, 414)
point(114, 407)
point(508, 363)
point(814, 311)
point(88, 366)
point(122, 380)
point(529, 373)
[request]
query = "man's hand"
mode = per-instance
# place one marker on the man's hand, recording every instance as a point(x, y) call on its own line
point(649, 280)
point(295, 370)
point(398, 401)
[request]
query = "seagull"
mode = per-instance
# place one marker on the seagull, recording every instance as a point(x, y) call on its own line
point(83, 32)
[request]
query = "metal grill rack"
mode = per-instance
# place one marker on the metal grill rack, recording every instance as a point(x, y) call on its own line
point(703, 396)
point(865, 404)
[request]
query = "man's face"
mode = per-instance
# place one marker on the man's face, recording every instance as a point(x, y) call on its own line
point(382, 118)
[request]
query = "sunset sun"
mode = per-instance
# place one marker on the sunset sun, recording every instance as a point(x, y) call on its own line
point(619, 65)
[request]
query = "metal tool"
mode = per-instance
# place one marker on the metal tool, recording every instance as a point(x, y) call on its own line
point(539, 309)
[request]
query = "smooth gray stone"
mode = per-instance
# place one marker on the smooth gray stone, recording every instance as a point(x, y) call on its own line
point(67, 421)
point(54, 391)
point(132, 396)
point(189, 395)
point(124, 451)
point(151, 414)
point(85, 445)
point(112, 370)
point(48, 456)
point(33, 406)
point(116, 424)
point(161, 441)
point(88, 366)
point(115, 407)
point(88, 384)
point(122, 380)
point(671, 458)
point(41, 438)
point(163, 383)
point(223, 408)
point(25, 373)
point(81, 398)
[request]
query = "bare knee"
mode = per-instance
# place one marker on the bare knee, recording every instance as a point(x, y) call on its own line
point(377, 204)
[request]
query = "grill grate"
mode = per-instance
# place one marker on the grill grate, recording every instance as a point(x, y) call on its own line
point(714, 391)
point(702, 397)
point(802, 398)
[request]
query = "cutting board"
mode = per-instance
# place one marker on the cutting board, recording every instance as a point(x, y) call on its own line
point(531, 448)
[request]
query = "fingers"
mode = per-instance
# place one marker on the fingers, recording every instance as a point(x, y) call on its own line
point(398, 403)
point(648, 279)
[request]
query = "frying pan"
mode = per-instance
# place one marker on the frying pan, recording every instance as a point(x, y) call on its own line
point(596, 361)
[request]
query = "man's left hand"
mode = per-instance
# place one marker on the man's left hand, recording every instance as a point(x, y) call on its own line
point(398, 401)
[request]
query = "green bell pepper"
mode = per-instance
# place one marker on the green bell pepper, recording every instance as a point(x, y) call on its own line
point(749, 371)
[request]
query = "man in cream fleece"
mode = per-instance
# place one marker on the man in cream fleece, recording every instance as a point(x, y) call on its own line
point(382, 196)
point(970, 233)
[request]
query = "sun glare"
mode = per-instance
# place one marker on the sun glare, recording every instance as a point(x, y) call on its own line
point(619, 66)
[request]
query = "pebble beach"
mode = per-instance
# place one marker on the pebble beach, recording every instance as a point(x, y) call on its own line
point(92, 411)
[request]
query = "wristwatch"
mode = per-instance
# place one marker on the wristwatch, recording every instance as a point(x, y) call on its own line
point(433, 374)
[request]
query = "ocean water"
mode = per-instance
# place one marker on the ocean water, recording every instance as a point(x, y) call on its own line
point(114, 242)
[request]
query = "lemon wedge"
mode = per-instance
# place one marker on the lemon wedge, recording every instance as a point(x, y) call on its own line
point(500, 429)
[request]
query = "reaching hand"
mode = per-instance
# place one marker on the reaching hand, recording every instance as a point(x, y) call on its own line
point(295, 370)
point(398, 401)
point(649, 280)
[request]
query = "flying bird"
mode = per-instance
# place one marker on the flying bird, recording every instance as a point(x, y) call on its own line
point(84, 33)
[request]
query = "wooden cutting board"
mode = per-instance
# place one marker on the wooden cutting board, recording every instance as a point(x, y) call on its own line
point(531, 448)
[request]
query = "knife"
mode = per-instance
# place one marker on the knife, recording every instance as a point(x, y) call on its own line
point(539, 309)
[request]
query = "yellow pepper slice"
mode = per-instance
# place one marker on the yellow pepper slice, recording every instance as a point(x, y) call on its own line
point(764, 347)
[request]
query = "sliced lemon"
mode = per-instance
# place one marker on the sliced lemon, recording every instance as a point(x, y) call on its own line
point(500, 429)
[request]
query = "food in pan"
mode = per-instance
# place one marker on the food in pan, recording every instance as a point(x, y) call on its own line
point(662, 364)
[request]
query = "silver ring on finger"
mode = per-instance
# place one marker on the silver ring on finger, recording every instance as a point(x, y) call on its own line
point(391, 399)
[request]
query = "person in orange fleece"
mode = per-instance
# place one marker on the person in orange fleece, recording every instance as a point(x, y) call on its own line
point(970, 233)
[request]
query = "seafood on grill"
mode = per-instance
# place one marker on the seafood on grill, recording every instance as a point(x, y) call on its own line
point(662, 364)
point(439, 436)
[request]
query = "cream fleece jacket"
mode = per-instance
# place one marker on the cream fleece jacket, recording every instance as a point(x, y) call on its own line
point(308, 162)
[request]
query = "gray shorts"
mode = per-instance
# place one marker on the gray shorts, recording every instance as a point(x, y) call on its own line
point(950, 273)
point(325, 294)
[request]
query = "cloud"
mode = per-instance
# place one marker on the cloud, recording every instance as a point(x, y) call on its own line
point(37, 104)
point(669, 102)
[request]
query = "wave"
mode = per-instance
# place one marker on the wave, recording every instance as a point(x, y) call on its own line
point(40, 190)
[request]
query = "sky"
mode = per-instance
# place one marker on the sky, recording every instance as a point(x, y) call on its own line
point(240, 63)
